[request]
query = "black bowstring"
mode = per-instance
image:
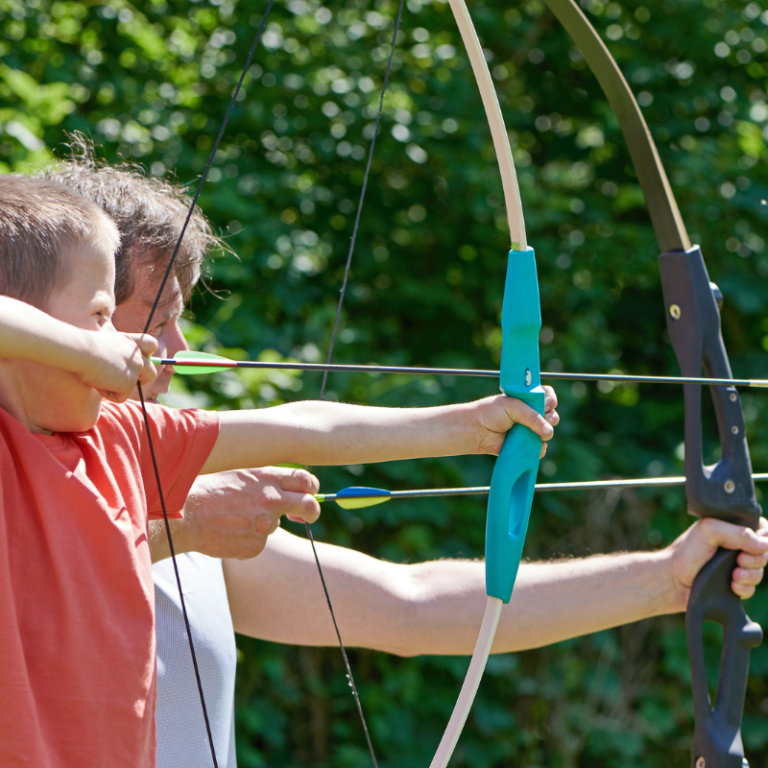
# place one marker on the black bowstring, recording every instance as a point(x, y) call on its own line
point(141, 393)
point(178, 581)
point(342, 293)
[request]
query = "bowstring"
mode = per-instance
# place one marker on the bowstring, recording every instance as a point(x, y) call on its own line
point(342, 293)
point(155, 305)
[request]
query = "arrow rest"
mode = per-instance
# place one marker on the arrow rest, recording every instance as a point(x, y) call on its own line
point(724, 490)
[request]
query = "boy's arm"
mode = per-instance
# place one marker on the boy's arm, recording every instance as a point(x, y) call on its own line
point(108, 361)
point(321, 433)
point(437, 607)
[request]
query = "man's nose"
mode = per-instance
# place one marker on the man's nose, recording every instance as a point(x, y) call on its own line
point(172, 340)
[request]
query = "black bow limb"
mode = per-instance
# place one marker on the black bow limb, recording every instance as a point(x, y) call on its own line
point(725, 491)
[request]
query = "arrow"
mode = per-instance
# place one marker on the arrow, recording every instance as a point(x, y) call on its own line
point(360, 497)
point(198, 363)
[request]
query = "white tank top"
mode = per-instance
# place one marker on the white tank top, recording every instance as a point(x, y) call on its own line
point(181, 735)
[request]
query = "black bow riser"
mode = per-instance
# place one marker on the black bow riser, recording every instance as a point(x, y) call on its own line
point(725, 491)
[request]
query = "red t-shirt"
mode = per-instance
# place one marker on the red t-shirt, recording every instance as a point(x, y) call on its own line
point(77, 636)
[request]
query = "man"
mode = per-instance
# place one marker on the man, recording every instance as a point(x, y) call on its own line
point(425, 608)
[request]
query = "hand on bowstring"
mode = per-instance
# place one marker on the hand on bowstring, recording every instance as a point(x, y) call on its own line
point(114, 362)
point(497, 415)
point(232, 514)
point(695, 548)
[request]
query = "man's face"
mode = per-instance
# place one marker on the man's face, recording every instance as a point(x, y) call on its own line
point(131, 317)
point(56, 400)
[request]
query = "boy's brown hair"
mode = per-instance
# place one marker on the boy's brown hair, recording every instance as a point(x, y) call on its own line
point(39, 222)
point(149, 213)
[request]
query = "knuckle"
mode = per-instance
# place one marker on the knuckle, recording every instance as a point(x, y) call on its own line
point(270, 501)
point(305, 481)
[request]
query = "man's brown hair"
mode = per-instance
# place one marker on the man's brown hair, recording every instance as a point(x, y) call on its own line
point(149, 213)
point(39, 222)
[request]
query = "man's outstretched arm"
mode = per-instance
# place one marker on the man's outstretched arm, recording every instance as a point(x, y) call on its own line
point(437, 607)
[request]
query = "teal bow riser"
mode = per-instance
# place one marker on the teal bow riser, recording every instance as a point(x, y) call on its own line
point(514, 476)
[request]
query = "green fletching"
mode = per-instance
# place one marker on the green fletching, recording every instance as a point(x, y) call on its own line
point(194, 370)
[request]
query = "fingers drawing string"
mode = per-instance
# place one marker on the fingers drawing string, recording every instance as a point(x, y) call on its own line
point(342, 293)
point(167, 274)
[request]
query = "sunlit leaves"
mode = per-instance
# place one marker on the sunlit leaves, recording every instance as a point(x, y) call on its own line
point(150, 81)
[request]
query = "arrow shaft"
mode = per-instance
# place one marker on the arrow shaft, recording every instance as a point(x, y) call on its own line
point(647, 482)
point(477, 372)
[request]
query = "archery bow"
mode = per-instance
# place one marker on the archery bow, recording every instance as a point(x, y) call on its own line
point(725, 490)
point(514, 474)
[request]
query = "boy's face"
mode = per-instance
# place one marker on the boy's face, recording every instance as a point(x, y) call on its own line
point(56, 400)
point(131, 317)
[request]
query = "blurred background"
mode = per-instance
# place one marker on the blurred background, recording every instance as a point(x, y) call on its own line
point(149, 82)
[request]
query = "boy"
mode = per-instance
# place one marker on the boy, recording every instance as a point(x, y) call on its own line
point(77, 487)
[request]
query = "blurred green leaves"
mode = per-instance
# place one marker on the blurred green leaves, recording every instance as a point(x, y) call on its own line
point(149, 81)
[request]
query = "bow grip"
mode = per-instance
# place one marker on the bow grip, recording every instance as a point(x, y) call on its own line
point(514, 476)
point(717, 737)
point(509, 504)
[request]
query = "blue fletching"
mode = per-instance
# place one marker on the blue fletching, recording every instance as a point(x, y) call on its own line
point(359, 497)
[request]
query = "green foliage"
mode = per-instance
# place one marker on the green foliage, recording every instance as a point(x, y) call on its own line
point(150, 80)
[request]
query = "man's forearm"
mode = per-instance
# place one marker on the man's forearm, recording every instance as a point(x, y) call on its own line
point(437, 607)
point(552, 601)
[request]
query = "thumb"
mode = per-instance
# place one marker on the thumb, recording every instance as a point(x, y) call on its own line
point(147, 344)
point(722, 534)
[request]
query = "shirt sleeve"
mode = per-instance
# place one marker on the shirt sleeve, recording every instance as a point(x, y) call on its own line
point(183, 439)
